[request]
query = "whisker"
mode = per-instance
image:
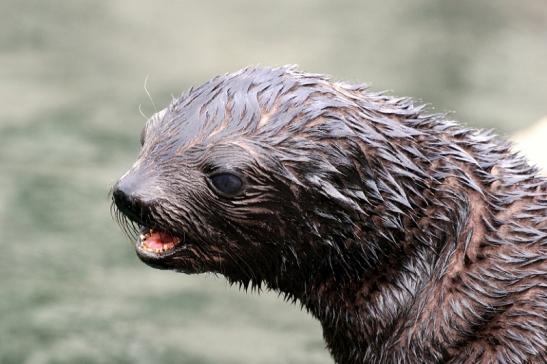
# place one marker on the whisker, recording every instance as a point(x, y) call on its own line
point(148, 93)
point(128, 227)
point(142, 113)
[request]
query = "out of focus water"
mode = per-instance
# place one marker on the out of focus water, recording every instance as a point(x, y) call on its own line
point(71, 83)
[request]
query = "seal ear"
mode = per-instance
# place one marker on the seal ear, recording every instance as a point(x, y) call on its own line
point(143, 135)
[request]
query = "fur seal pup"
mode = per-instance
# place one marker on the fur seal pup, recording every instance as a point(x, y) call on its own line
point(410, 238)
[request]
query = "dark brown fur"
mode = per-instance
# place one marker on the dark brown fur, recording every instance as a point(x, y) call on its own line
point(411, 238)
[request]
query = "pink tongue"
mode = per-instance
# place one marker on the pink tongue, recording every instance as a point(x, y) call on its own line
point(157, 240)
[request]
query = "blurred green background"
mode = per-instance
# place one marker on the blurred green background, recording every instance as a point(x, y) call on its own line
point(71, 83)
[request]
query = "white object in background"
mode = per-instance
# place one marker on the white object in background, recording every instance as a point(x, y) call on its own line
point(532, 142)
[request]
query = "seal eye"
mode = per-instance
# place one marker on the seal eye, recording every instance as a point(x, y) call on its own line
point(227, 183)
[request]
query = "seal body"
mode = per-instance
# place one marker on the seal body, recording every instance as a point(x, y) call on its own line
point(410, 238)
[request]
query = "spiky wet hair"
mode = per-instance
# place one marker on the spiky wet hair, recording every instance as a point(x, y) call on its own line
point(410, 237)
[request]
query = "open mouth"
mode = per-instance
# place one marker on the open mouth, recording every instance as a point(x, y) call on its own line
point(157, 243)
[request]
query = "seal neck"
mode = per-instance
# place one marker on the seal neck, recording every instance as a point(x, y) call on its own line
point(369, 310)
point(370, 306)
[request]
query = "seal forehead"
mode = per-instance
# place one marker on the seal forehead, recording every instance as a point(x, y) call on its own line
point(244, 103)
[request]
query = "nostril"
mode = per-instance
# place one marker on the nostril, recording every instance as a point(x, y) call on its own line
point(121, 198)
point(129, 203)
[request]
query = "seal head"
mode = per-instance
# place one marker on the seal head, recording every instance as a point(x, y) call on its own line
point(223, 182)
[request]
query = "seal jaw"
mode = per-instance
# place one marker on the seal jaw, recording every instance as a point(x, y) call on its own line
point(161, 249)
point(154, 245)
point(157, 242)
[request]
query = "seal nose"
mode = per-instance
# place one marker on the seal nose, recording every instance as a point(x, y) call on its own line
point(128, 201)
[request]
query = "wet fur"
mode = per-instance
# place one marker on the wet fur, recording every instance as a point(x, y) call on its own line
point(411, 238)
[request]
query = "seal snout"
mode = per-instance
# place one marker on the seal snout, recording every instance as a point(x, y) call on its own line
point(129, 201)
point(153, 243)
